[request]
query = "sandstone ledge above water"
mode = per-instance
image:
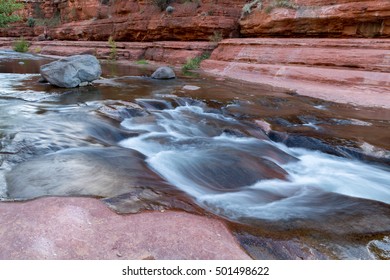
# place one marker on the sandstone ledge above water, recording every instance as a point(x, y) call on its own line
point(84, 228)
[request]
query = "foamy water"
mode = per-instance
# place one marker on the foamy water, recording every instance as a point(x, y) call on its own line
point(184, 141)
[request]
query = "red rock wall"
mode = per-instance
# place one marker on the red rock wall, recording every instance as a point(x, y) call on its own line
point(141, 20)
point(353, 71)
point(133, 20)
point(317, 18)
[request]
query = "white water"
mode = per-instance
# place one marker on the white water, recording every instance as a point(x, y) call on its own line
point(187, 139)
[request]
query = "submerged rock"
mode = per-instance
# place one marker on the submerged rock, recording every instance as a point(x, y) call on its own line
point(99, 172)
point(163, 73)
point(72, 71)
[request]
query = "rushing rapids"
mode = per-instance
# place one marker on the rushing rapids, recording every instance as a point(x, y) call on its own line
point(318, 169)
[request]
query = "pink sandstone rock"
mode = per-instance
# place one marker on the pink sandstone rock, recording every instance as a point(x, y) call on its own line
point(352, 71)
point(84, 228)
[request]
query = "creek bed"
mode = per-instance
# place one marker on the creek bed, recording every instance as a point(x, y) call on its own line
point(293, 177)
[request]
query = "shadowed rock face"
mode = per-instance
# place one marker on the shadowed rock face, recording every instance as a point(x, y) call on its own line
point(84, 228)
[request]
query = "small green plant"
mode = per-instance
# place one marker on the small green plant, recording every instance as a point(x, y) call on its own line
point(50, 22)
point(141, 62)
point(21, 45)
point(216, 37)
point(268, 9)
point(281, 4)
point(194, 63)
point(113, 50)
point(7, 7)
point(247, 8)
point(37, 49)
point(30, 22)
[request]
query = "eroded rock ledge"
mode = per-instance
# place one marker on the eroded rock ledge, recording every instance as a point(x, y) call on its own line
point(341, 70)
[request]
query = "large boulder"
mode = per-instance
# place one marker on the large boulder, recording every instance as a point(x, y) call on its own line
point(163, 73)
point(72, 71)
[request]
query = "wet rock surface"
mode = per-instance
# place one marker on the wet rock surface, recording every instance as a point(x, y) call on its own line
point(116, 171)
point(84, 228)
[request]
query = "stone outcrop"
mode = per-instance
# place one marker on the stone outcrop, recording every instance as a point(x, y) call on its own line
point(72, 71)
point(316, 18)
point(342, 70)
point(84, 228)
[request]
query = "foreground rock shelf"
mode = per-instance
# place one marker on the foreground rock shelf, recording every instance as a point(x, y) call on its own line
point(84, 228)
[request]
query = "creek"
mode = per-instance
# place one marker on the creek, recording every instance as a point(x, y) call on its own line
point(294, 177)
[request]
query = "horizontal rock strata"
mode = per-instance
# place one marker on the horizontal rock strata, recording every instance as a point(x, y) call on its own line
point(349, 71)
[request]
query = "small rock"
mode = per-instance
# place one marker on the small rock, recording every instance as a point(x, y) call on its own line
point(169, 9)
point(188, 87)
point(83, 84)
point(163, 73)
point(42, 80)
point(42, 37)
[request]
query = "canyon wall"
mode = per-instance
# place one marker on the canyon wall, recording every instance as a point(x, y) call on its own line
point(205, 20)
point(318, 18)
point(131, 20)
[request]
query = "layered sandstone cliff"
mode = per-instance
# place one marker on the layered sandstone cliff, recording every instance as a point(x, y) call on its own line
point(189, 20)
point(132, 20)
point(317, 18)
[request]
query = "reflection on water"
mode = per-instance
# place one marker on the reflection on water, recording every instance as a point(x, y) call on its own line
point(139, 143)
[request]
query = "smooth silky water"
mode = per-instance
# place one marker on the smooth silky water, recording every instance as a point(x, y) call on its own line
point(315, 184)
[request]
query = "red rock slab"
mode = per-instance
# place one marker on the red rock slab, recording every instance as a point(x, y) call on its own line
point(84, 228)
point(356, 54)
point(362, 88)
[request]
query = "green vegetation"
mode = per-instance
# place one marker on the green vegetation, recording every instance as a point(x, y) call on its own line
point(258, 4)
point(50, 22)
point(281, 4)
point(40, 20)
point(7, 7)
point(142, 62)
point(194, 63)
point(216, 37)
point(30, 22)
point(247, 9)
point(113, 50)
point(37, 49)
point(21, 45)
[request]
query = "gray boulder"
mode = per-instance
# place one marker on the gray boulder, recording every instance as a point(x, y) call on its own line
point(72, 71)
point(164, 73)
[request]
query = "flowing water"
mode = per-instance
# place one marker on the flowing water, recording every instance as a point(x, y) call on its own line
point(294, 177)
